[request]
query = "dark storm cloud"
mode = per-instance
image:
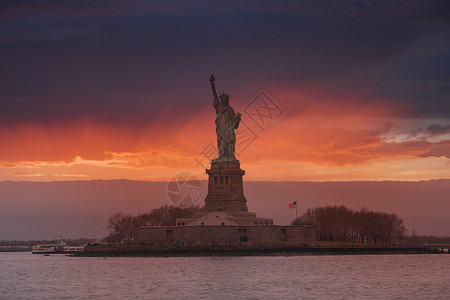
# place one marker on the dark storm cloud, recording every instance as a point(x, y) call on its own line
point(128, 60)
point(18, 8)
point(440, 149)
point(409, 9)
point(431, 131)
point(437, 129)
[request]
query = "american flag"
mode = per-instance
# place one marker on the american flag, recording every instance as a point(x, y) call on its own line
point(292, 205)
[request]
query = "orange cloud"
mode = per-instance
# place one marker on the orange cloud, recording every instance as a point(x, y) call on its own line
point(329, 139)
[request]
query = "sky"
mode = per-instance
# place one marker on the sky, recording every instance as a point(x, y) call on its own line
point(328, 90)
point(73, 209)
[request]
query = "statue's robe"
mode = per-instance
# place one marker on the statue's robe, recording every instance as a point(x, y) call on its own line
point(226, 123)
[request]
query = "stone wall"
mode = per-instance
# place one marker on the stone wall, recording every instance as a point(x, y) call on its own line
point(223, 235)
point(280, 248)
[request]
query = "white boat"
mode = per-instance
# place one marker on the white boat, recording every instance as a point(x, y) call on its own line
point(49, 248)
point(60, 247)
point(43, 249)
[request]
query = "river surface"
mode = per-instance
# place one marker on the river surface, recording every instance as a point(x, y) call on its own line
point(28, 276)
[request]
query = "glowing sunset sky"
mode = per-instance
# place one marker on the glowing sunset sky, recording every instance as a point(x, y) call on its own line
point(119, 89)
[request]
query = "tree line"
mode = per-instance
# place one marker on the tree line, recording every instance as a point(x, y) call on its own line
point(121, 225)
point(339, 223)
point(333, 223)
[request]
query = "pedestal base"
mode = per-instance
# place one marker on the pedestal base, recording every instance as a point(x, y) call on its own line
point(225, 188)
point(225, 204)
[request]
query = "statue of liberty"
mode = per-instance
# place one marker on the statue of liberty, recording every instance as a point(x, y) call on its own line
point(226, 122)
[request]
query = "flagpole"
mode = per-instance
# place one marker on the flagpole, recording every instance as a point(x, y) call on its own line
point(296, 216)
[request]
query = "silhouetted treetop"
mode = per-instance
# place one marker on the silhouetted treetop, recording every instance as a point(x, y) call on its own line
point(121, 225)
point(339, 223)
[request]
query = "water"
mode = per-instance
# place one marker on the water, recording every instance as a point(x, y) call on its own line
point(27, 276)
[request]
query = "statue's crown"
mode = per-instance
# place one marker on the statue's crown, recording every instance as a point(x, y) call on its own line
point(225, 94)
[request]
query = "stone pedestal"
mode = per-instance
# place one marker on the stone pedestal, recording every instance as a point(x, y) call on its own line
point(225, 188)
point(225, 204)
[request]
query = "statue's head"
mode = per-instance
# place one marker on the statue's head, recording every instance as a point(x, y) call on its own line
point(225, 98)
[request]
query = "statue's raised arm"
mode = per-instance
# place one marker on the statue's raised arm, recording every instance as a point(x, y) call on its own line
point(213, 87)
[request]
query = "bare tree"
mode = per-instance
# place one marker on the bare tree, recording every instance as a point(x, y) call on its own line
point(121, 225)
point(338, 223)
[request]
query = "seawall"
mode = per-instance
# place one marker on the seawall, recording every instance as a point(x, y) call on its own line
point(166, 250)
